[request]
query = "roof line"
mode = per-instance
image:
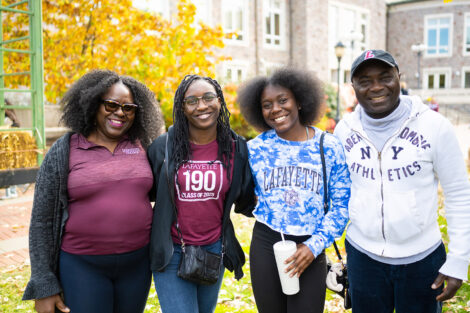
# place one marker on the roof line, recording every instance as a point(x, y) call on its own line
point(404, 1)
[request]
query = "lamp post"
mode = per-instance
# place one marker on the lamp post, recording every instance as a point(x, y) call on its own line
point(418, 48)
point(339, 52)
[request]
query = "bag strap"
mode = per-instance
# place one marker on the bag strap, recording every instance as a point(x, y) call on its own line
point(172, 197)
point(171, 190)
point(326, 199)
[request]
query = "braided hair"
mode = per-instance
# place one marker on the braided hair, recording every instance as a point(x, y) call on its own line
point(181, 145)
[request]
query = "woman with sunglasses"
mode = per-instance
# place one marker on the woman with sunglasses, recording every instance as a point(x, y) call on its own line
point(206, 171)
point(91, 218)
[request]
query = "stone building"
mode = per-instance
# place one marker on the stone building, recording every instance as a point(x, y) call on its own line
point(273, 33)
point(442, 29)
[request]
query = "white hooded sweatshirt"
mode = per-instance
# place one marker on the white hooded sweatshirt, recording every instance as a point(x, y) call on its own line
point(393, 206)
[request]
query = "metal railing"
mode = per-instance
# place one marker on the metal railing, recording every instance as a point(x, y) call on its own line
point(36, 77)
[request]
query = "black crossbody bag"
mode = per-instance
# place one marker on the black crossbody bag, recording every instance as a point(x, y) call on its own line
point(197, 265)
point(326, 205)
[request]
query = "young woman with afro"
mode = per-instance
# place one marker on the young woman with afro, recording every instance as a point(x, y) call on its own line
point(287, 169)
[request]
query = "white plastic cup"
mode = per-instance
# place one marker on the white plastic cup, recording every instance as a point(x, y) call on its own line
point(282, 251)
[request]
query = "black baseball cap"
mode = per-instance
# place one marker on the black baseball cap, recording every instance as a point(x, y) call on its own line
point(367, 55)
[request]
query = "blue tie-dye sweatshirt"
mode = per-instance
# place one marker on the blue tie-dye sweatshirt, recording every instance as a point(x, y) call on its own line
point(289, 185)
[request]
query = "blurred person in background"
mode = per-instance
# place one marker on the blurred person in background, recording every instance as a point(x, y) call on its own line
point(11, 120)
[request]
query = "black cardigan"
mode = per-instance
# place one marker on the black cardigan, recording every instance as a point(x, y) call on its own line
point(241, 193)
point(48, 218)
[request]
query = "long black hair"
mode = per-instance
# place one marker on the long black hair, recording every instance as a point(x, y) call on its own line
point(181, 145)
point(82, 101)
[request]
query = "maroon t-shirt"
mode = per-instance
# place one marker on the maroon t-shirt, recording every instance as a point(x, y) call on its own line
point(200, 188)
point(109, 208)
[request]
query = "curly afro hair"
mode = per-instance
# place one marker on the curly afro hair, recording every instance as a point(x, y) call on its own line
point(306, 88)
point(82, 101)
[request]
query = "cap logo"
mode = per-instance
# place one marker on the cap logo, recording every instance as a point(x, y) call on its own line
point(369, 54)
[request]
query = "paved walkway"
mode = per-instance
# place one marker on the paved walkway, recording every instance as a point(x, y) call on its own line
point(14, 225)
point(15, 215)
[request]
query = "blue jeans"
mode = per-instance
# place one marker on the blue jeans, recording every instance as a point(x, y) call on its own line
point(177, 295)
point(377, 287)
point(114, 283)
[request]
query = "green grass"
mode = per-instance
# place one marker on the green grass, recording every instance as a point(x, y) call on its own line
point(235, 296)
point(13, 280)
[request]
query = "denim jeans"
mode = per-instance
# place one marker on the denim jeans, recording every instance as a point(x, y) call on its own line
point(177, 295)
point(113, 283)
point(377, 287)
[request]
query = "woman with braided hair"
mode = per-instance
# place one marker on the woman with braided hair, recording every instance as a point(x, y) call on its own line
point(206, 171)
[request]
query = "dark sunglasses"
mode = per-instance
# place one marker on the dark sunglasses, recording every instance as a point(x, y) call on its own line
point(193, 100)
point(112, 106)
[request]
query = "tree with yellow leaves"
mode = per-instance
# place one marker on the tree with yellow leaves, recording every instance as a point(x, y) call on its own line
point(80, 35)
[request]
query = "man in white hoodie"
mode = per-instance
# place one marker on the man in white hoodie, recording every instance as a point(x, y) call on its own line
point(398, 150)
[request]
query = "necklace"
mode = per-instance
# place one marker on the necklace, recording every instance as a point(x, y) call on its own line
point(306, 128)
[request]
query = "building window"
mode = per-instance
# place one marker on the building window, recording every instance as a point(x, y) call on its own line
point(466, 45)
point(437, 78)
point(467, 80)
point(436, 81)
point(235, 73)
point(235, 20)
point(466, 77)
point(363, 27)
point(270, 67)
point(349, 24)
point(438, 35)
point(274, 15)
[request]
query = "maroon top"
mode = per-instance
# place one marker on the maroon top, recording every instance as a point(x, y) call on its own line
point(109, 208)
point(199, 196)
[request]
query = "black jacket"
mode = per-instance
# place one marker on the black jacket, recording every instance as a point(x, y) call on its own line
point(241, 193)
